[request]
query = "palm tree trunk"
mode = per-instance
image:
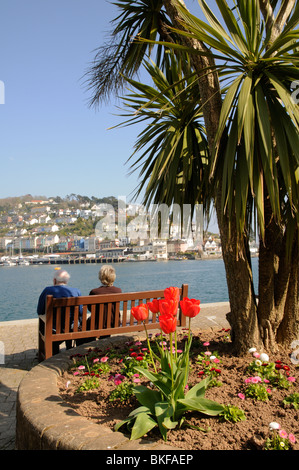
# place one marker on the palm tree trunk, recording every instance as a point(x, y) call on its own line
point(242, 318)
point(278, 309)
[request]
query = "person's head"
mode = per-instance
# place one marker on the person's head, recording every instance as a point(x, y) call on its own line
point(61, 277)
point(107, 275)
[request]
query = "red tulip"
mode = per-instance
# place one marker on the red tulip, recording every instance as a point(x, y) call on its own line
point(140, 313)
point(167, 323)
point(153, 306)
point(190, 307)
point(168, 307)
point(172, 293)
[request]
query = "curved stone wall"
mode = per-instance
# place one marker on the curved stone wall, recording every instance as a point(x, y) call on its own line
point(46, 422)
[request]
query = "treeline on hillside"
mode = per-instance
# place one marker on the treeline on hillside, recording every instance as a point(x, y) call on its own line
point(74, 200)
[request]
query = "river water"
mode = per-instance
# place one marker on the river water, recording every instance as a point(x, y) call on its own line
point(20, 286)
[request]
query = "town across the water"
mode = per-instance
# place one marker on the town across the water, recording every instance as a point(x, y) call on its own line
point(78, 231)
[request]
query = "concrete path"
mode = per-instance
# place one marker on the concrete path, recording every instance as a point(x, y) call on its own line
point(18, 354)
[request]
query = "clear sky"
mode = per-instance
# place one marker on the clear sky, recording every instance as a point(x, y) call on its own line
point(52, 143)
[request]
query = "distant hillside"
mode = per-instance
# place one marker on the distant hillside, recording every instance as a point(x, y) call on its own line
point(71, 198)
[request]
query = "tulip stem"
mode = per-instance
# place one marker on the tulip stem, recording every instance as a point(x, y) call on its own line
point(186, 377)
point(149, 347)
point(171, 357)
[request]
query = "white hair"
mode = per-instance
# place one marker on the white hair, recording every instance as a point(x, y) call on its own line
point(61, 276)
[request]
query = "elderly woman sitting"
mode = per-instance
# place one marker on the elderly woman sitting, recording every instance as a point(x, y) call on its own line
point(107, 277)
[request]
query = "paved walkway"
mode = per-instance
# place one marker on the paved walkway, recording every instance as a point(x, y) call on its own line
point(18, 354)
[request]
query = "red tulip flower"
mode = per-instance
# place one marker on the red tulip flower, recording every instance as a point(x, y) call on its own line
point(140, 313)
point(190, 307)
point(168, 307)
point(153, 306)
point(172, 293)
point(167, 323)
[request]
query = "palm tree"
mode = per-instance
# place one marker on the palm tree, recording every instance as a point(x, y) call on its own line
point(252, 138)
point(122, 55)
point(172, 148)
point(255, 160)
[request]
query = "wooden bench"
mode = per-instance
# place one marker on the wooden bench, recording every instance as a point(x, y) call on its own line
point(96, 307)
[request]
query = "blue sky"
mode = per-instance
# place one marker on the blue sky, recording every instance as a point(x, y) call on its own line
point(51, 142)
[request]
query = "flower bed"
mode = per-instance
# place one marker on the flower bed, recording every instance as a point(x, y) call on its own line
point(221, 402)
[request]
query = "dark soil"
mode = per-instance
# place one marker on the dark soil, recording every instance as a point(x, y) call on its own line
point(214, 433)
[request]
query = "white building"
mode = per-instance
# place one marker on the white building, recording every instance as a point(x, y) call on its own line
point(160, 250)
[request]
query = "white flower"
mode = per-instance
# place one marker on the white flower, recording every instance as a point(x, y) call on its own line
point(264, 357)
point(212, 357)
point(252, 350)
point(258, 362)
point(274, 425)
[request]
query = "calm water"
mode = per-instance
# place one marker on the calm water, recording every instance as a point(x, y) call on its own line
point(20, 286)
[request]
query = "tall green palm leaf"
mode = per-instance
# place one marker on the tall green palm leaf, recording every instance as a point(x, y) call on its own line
point(256, 149)
point(123, 54)
point(171, 151)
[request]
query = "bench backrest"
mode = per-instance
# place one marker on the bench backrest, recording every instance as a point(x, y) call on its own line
point(116, 307)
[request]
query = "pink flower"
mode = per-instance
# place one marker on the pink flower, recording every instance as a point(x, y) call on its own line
point(216, 360)
point(104, 359)
point(248, 380)
point(256, 354)
point(81, 367)
point(208, 353)
point(96, 360)
point(241, 395)
point(256, 379)
point(76, 373)
point(118, 378)
point(136, 381)
point(282, 433)
point(291, 379)
point(206, 343)
point(292, 438)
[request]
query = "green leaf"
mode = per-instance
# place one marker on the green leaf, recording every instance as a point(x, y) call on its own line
point(162, 383)
point(199, 389)
point(214, 22)
point(226, 110)
point(140, 409)
point(143, 424)
point(232, 25)
point(147, 397)
point(164, 412)
point(243, 100)
point(203, 405)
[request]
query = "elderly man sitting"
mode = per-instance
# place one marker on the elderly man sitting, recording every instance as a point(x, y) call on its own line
point(59, 289)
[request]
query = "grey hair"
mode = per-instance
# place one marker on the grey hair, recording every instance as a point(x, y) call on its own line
point(61, 276)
